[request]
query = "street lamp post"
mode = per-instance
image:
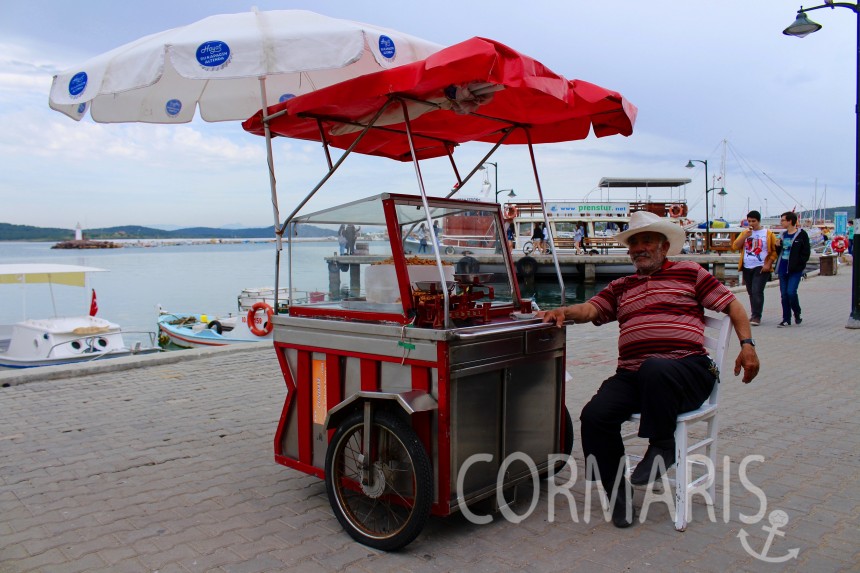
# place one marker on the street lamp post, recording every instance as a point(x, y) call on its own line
point(707, 216)
point(496, 189)
point(802, 27)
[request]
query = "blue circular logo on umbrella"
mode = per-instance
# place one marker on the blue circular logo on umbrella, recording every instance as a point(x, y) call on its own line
point(213, 55)
point(78, 84)
point(82, 108)
point(285, 97)
point(173, 107)
point(386, 47)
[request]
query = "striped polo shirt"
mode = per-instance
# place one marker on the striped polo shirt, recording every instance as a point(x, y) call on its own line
point(661, 315)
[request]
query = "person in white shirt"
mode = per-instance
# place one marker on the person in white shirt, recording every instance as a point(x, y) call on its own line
point(758, 253)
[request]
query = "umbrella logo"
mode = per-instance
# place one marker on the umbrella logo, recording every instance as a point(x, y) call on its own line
point(386, 47)
point(82, 108)
point(213, 55)
point(173, 107)
point(285, 97)
point(78, 84)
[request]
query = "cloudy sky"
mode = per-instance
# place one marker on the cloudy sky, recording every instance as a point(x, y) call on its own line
point(701, 73)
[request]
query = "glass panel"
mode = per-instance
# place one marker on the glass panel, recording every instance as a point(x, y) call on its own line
point(470, 240)
point(342, 259)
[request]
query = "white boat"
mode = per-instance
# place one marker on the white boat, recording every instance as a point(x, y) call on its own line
point(599, 221)
point(190, 330)
point(60, 340)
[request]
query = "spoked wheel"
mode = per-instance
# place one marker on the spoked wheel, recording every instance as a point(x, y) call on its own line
point(528, 248)
point(391, 509)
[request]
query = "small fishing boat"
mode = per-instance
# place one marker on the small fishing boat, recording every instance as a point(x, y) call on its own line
point(61, 340)
point(191, 330)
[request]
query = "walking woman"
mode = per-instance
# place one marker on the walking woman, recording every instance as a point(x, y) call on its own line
point(793, 251)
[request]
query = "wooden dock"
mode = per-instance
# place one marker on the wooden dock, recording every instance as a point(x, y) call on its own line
point(585, 268)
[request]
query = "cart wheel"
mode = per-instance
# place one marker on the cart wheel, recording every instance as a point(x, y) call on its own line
point(391, 511)
point(528, 248)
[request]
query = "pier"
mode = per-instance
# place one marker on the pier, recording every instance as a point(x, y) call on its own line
point(585, 268)
point(165, 463)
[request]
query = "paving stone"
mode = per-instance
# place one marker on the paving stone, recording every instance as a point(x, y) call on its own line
point(168, 467)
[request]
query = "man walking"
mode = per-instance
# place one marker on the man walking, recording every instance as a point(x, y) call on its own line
point(793, 251)
point(663, 367)
point(758, 253)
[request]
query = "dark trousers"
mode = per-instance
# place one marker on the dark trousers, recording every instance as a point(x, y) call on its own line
point(755, 281)
point(788, 285)
point(661, 389)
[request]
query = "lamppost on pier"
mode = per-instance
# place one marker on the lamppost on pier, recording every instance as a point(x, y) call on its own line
point(707, 216)
point(496, 189)
point(801, 28)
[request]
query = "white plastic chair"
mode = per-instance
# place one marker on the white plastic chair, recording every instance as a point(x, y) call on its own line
point(684, 483)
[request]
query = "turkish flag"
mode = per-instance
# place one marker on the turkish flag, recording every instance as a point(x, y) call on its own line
point(94, 305)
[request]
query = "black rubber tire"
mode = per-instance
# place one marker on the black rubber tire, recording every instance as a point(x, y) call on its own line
point(528, 248)
point(216, 326)
point(526, 267)
point(368, 518)
point(468, 266)
point(449, 250)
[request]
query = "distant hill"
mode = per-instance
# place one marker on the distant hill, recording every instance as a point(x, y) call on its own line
point(9, 232)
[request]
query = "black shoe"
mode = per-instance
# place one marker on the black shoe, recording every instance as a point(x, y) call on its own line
point(620, 511)
point(650, 466)
point(783, 324)
point(797, 320)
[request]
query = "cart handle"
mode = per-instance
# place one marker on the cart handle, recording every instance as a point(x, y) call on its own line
point(503, 330)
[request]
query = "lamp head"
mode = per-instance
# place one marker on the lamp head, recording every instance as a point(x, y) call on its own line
point(512, 194)
point(802, 26)
point(690, 164)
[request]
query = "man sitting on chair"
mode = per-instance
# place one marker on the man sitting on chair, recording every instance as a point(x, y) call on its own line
point(663, 368)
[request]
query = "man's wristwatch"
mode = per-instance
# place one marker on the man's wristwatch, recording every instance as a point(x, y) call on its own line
point(749, 341)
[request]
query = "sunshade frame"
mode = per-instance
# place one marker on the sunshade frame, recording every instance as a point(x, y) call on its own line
point(402, 106)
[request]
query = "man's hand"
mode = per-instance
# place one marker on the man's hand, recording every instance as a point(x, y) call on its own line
point(555, 315)
point(748, 360)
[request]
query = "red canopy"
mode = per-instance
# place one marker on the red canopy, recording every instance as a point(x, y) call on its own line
point(471, 91)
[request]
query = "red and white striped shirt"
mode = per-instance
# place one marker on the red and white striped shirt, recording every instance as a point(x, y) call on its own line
point(661, 315)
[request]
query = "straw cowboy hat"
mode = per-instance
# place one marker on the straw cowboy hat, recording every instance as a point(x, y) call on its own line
point(643, 221)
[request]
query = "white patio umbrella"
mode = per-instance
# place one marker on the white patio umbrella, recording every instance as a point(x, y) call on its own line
point(229, 66)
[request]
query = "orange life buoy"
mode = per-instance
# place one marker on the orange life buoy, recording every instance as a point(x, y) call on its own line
point(510, 211)
point(675, 211)
point(252, 314)
point(839, 244)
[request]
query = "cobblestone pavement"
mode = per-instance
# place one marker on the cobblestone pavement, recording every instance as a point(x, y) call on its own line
point(168, 466)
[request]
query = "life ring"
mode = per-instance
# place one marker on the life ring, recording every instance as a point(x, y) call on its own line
point(839, 244)
point(675, 211)
point(510, 211)
point(267, 326)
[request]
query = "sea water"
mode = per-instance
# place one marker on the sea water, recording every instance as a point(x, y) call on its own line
point(201, 278)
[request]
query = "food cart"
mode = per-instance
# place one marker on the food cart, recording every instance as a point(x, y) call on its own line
point(427, 384)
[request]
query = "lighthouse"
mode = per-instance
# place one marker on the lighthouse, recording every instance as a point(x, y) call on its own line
point(79, 234)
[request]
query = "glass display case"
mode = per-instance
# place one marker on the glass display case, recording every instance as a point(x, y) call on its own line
point(397, 261)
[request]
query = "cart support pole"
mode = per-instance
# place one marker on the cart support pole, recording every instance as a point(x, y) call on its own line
point(273, 185)
point(364, 459)
point(545, 218)
point(445, 298)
